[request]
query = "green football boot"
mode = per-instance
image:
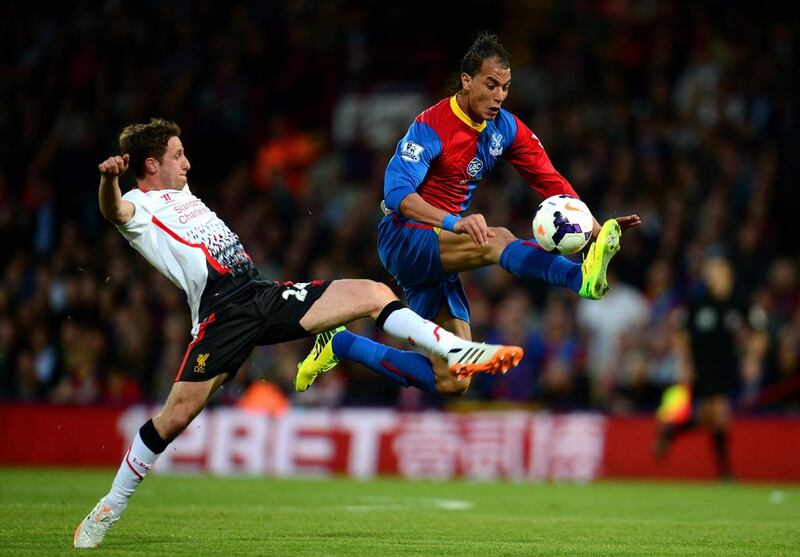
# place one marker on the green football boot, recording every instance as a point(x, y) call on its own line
point(319, 360)
point(594, 267)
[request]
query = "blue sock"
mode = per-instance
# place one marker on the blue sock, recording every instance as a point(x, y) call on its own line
point(405, 368)
point(527, 260)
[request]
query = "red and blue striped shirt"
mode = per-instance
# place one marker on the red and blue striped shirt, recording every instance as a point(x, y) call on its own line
point(444, 155)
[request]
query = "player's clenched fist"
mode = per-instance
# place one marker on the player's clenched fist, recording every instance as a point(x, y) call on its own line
point(114, 166)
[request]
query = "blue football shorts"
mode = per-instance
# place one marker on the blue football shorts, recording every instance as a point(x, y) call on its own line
point(409, 250)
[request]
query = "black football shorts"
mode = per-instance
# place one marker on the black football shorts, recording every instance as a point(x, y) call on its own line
point(265, 314)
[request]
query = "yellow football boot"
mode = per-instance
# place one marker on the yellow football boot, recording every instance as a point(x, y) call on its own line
point(594, 267)
point(319, 360)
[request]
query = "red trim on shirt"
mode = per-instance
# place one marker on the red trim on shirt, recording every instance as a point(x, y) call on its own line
point(200, 334)
point(218, 267)
point(408, 224)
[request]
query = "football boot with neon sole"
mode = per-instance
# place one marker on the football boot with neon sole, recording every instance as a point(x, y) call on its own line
point(319, 360)
point(594, 284)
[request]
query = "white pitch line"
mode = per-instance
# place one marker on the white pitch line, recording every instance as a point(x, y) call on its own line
point(393, 504)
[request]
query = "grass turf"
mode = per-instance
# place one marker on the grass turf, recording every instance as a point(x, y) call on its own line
point(179, 515)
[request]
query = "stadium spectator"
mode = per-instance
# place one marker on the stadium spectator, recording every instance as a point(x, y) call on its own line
point(608, 326)
point(511, 324)
point(283, 160)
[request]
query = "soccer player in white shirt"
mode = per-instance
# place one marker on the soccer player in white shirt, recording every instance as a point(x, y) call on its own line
point(234, 308)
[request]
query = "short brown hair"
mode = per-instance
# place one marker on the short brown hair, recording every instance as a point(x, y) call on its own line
point(142, 141)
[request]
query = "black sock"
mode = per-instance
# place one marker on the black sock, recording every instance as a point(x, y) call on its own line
point(151, 438)
point(390, 308)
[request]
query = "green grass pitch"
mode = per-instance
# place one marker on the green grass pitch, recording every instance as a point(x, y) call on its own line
point(181, 515)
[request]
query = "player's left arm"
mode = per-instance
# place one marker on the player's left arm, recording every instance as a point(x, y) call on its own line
point(528, 156)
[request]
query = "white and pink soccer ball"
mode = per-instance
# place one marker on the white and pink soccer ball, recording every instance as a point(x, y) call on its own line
point(563, 223)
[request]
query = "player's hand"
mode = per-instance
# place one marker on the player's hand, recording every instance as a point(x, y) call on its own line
point(629, 221)
point(114, 166)
point(474, 225)
point(626, 222)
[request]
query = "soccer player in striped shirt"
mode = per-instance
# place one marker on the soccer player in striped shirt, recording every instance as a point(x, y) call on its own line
point(427, 238)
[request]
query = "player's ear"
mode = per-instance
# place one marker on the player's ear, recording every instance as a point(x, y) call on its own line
point(466, 79)
point(151, 165)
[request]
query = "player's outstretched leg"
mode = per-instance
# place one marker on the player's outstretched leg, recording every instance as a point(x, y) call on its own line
point(594, 284)
point(527, 260)
point(403, 367)
point(142, 454)
point(183, 403)
point(464, 357)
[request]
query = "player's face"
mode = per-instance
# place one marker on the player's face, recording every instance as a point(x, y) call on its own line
point(487, 89)
point(174, 166)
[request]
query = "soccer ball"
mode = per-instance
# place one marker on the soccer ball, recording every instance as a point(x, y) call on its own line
point(562, 223)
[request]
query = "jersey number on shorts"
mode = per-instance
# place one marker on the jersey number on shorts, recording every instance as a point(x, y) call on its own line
point(299, 291)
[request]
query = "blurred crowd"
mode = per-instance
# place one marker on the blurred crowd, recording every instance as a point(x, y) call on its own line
point(681, 113)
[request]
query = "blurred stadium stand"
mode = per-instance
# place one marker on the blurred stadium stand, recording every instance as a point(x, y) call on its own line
point(683, 113)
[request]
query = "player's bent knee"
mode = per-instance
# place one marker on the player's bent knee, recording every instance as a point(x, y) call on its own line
point(503, 234)
point(502, 237)
point(379, 293)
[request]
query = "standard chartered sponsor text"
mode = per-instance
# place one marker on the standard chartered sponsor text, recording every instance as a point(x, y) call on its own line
point(183, 219)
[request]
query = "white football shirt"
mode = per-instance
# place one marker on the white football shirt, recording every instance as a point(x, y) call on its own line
point(187, 242)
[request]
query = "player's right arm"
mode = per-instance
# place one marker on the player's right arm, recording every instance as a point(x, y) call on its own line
point(414, 207)
point(113, 208)
point(404, 174)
